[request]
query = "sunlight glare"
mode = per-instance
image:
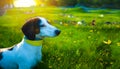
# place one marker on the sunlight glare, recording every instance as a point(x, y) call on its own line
point(24, 3)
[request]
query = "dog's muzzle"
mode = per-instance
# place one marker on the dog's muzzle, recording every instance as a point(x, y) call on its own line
point(57, 32)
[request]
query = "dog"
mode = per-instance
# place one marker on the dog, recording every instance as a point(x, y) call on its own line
point(28, 52)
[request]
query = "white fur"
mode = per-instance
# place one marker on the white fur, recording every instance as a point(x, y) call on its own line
point(48, 30)
point(24, 55)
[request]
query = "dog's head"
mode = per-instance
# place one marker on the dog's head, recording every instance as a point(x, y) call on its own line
point(38, 27)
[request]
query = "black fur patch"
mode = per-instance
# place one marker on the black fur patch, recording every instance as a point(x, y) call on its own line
point(1, 56)
point(10, 49)
point(31, 27)
point(1, 67)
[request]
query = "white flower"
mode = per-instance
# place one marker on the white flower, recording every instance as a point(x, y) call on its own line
point(61, 23)
point(101, 15)
point(79, 23)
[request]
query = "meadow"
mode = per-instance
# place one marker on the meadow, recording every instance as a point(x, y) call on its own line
point(80, 44)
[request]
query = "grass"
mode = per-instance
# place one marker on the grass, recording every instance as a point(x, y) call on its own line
point(78, 46)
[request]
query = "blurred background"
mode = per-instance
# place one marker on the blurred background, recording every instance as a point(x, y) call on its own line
point(90, 37)
point(111, 4)
point(70, 3)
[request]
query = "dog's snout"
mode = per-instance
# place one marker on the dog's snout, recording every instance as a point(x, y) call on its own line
point(57, 32)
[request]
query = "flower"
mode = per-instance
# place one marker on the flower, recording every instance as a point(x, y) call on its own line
point(91, 31)
point(61, 22)
point(117, 26)
point(89, 36)
point(79, 23)
point(50, 67)
point(58, 59)
point(65, 24)
point(101, 15)
point(74, 41)
point(118, 44)
point(111, 62)
point(107, 42)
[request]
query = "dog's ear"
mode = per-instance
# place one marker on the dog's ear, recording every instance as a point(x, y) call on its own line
point(31, 28)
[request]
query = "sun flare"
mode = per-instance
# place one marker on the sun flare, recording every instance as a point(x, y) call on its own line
point(24, 3)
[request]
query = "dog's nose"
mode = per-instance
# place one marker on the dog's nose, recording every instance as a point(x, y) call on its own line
point(57, 32)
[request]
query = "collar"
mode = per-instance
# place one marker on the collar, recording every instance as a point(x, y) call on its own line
point(34, 42)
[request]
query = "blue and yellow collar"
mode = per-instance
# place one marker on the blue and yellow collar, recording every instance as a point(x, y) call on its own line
point(34, 42)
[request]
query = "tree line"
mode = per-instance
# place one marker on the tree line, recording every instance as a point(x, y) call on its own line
point(72, 3)
point(89, 3)
point(6, 2)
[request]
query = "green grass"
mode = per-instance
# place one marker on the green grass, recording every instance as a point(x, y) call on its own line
point(78, 46)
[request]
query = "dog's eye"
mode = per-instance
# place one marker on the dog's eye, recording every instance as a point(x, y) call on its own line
point(42, 25)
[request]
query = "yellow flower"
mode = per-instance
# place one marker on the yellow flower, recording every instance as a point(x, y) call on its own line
point(111, 62)
point(91, 31)
point(58, 59)
point(76, 25)
point(106, 62)
point(118, 44)
point(65, 24)
point(118, 26)
point(89, 36)
point(107, 42)
point(50, 67)
point(74, 41)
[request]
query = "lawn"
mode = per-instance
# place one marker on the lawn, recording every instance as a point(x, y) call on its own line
point(79, 46)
